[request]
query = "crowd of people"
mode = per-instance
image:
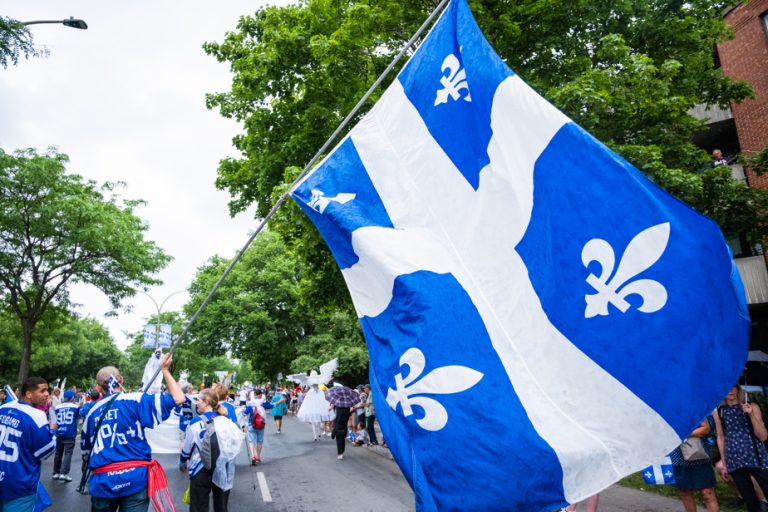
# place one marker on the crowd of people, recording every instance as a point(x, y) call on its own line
point(118, 472)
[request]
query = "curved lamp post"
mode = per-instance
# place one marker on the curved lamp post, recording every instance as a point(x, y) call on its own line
point(159, 311)
point(71, 22)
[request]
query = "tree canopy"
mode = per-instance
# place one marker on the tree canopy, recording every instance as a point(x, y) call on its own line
point(15, 42)
point(56, 229)
point(627, 71)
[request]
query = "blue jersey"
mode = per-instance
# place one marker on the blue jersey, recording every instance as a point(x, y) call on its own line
point(66, 418)
point(86, 408)
point(121, 438)
point(231, 413)
point(186, 412)
point(190, 457)
point(26, 440)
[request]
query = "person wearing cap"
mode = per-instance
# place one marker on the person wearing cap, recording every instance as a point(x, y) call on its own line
point(255, 435)
point(66, 414)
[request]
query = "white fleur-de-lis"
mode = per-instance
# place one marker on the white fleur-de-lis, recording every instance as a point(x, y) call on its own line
point(454, 82)
point(443, 380)
point(642, 252)
point(319, 202)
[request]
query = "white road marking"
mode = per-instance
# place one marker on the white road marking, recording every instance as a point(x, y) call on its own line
point(265, 494)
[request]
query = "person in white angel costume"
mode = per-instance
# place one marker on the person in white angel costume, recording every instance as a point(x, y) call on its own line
point(315, 409)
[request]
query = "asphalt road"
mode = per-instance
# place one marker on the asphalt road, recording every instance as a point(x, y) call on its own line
point(300, 475)
point(297, 474)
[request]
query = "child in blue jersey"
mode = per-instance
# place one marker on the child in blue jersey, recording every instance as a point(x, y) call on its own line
point(28, 439)
point(186, 411)
point(201, 479)
point(221, 391)
point(66, 414)
point(121, 456)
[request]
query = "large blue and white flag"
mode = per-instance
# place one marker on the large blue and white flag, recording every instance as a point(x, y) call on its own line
point(542, 319)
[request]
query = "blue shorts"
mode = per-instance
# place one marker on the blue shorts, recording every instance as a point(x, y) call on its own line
point(256, 436)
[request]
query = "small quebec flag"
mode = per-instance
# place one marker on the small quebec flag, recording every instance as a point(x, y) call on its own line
point(542, 320)
point(659, 474)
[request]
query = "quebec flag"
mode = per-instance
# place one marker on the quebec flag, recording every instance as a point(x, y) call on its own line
point(542, 319)
point(660, 473)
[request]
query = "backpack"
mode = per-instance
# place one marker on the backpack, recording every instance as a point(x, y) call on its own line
point(209, 448)
point(257, 420)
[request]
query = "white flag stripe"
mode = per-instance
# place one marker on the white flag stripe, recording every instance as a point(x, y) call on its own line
point(604, 430)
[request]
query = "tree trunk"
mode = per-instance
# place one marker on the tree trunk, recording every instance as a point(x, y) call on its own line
point(27, 326)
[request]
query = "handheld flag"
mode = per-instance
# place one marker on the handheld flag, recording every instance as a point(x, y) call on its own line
point(114, 384)
point(514, 275)
point(660, 473)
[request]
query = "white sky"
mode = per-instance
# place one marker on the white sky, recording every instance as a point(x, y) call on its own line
point(125, 100)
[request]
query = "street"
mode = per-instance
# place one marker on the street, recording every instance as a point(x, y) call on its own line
point(297, 475)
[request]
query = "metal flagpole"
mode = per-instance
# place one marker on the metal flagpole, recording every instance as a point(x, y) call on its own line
point(440, 7)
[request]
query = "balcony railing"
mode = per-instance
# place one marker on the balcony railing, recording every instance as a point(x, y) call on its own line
point(754, 275)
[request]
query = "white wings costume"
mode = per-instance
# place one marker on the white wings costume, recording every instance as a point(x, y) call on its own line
point(315, 408)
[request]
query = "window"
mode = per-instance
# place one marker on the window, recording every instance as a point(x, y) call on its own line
point(764, 21)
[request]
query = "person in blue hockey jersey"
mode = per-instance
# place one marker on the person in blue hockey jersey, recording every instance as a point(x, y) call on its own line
point(66, 414)
point(28, 439)
point(124, 474)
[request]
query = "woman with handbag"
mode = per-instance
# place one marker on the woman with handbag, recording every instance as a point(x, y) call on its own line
point(740, 437)
point(692, 465)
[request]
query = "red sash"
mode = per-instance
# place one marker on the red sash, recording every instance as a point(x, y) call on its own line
point(157, 483)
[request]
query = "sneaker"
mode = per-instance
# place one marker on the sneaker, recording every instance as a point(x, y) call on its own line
point(253, 461)
point(340, 457)
point(257, 460)
point(56, 476)
point(65, 478)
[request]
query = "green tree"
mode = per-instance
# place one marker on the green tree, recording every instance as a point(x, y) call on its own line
point(66, 346)
point(16, 41)
point(56, 229)
point(629, 72)
point(256, 314)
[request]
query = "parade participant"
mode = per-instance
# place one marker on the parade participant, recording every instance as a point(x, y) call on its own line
point(370, 416)
point(66, 414)
point(92, 397)
point(279, 407)
point(186, 411)
point(121, 459)
point(55, 397)
point(28, 440)
point(256, 417)
point(208, 406)
point(222, 392)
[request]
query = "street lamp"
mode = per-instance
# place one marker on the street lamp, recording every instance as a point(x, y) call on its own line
point(159, 311)
point(71, 22)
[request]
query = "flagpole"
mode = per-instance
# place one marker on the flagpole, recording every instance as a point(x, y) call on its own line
point(440, 7)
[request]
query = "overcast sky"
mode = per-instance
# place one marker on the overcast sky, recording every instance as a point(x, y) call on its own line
point(125, 100)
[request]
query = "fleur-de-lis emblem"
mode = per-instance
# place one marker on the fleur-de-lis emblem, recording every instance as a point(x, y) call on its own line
point(454, 82)
point(642, 252)
point(443, 380)
point(319, 202)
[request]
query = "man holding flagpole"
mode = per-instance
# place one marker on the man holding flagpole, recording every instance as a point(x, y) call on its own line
point(124, 475)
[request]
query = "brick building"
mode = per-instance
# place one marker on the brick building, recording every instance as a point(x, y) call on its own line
point(746, 58)
point(742, 130)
